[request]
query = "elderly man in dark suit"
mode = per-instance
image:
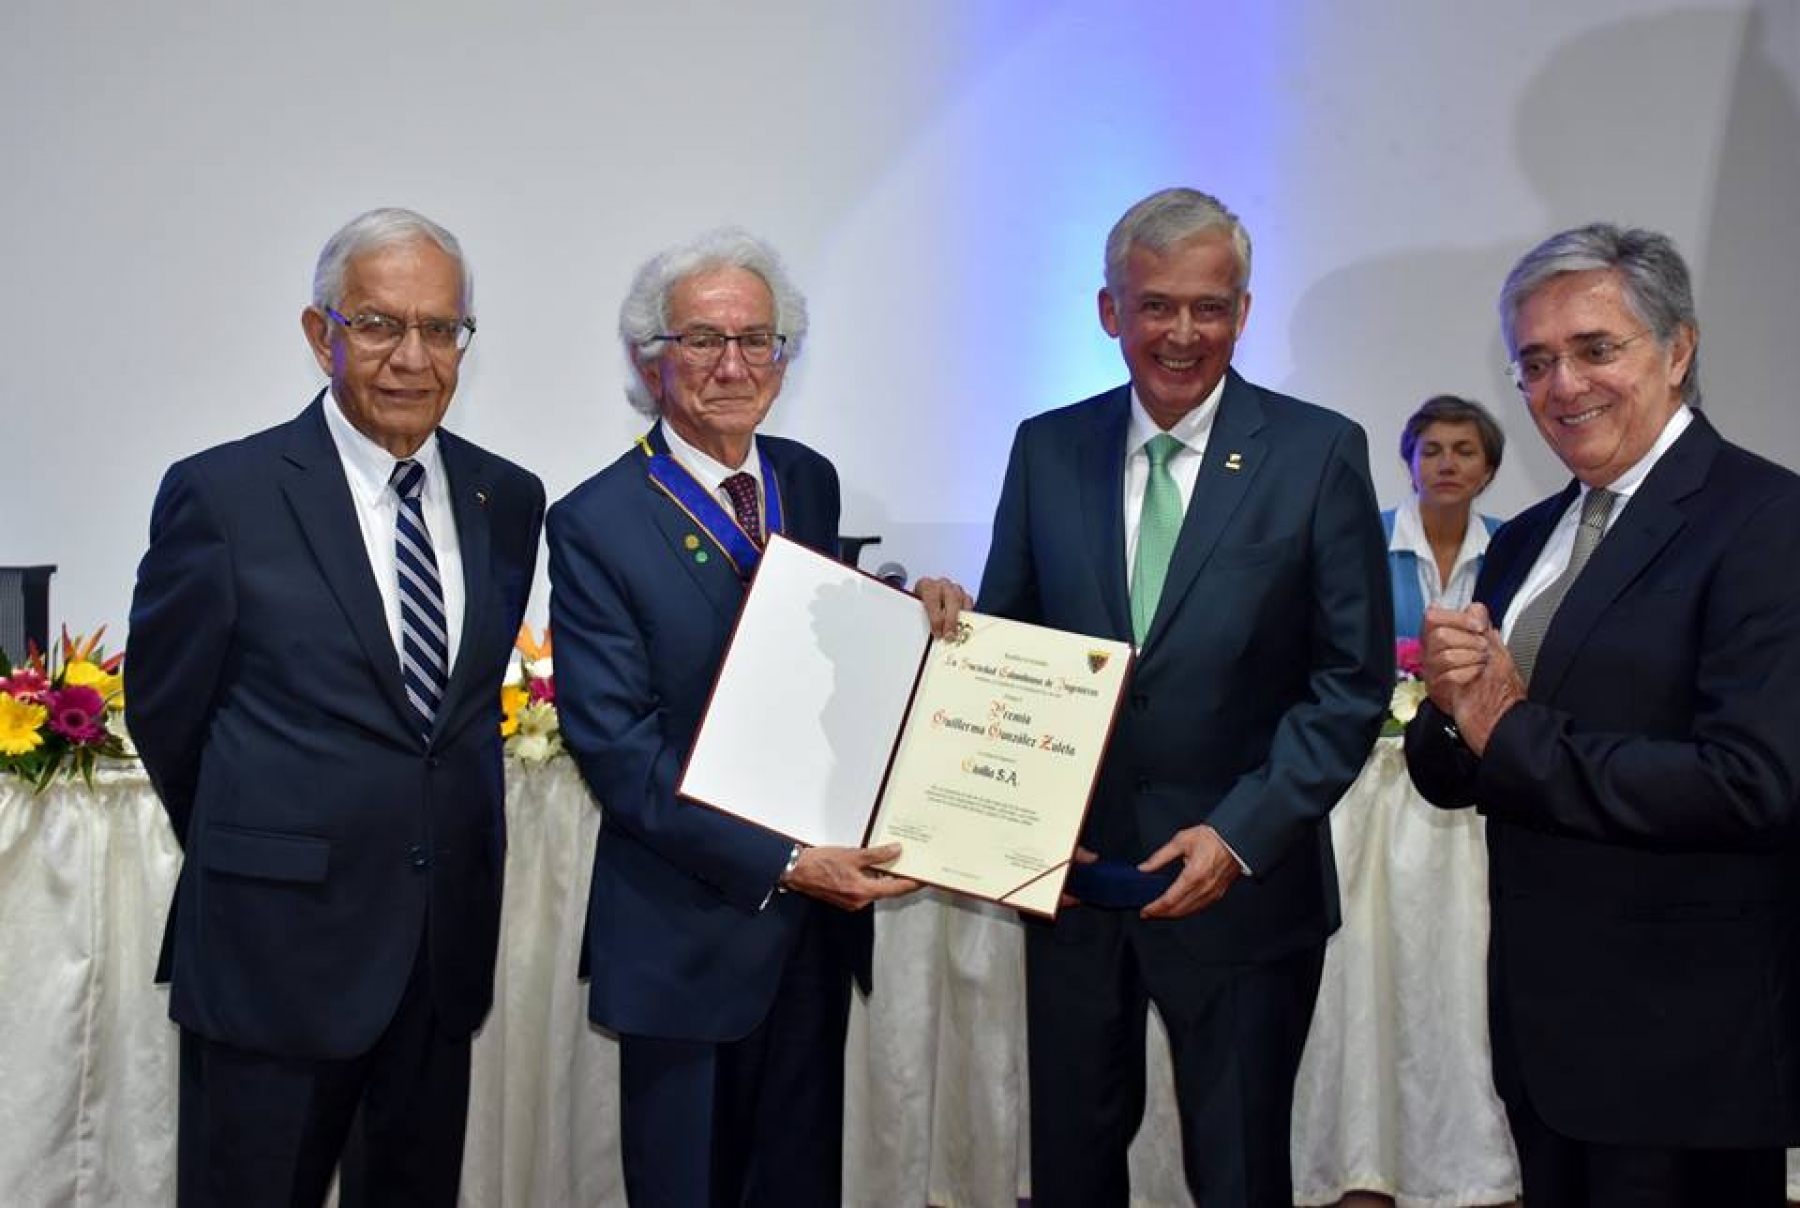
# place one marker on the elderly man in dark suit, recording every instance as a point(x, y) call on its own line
point(721, 954)
point(1232, 533)
point(1619, 702)
point(318, 636)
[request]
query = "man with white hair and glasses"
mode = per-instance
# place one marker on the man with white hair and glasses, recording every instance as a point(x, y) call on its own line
point(721, 954)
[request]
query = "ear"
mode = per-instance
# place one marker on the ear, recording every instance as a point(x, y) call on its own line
point(649, 372)
point(1681, 355)
point(318, 336)
point(1109, 313)
point(1243, 315)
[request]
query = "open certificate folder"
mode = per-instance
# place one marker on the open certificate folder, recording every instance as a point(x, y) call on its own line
point(837, 720)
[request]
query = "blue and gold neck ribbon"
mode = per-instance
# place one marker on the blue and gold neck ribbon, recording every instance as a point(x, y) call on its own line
point(710, 515)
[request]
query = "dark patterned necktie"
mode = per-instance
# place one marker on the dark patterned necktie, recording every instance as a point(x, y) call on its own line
point(1528, 631)
point(424, 634)
point(742, 490)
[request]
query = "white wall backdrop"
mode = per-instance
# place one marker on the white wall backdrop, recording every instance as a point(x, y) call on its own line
point(939, 173)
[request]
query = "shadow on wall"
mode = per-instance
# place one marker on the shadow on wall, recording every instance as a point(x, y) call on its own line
point(1650, 156)
point(1749, 289)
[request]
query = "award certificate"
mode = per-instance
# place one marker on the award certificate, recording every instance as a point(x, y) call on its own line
point(837, 719)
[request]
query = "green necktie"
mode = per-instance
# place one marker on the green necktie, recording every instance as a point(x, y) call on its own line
point(1158, 525)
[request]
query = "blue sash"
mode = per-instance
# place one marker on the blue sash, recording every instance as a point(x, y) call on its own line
point(712, 517)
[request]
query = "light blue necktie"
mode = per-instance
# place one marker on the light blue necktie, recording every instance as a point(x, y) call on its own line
point(424, 635)
point(1159, 523)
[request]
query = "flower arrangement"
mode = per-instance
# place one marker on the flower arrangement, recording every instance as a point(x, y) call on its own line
point(62, 710)
point(1409, 687)
point(528, 701)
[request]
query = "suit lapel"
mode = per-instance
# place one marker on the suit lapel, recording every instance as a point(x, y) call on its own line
point(1650, 522)
point(319, 495)
point(687, 541)
point(469, 494)
point(1103, 507)
point(1233, 460)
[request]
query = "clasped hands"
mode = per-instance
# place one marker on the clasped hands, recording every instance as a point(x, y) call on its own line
point(1469, 673)
point(852, 877)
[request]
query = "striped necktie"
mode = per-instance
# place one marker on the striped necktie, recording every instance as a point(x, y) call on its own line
point(1528, 631)
point(1159, 523)
point(424, 640)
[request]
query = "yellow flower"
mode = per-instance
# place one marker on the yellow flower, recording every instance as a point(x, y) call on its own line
point(1408, 695)
point(19, 725)
point(512, 699)
point(81, 672)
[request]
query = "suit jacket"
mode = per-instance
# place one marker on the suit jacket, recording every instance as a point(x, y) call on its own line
point(1262, 682)
point(1641, 814)
point(686, 939)
point(323, 836)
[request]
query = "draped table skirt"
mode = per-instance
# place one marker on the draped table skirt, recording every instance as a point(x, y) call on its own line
point(1393, 1094)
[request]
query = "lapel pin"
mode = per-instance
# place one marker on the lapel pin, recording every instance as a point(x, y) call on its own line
point(701, 556)
point(481, 498)
point(690, 542)
point(1234, 461)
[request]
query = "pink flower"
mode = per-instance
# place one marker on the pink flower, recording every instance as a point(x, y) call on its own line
point(1409, 656)
point(78, 714)
point(26, 684)
point(543, 691)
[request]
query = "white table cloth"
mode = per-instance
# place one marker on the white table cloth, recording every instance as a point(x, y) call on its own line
point(935, 1090)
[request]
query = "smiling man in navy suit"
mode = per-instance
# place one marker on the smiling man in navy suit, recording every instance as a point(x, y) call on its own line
point(1619, 701)
point(1232, 533)
point(721, 954)
point(317, 640)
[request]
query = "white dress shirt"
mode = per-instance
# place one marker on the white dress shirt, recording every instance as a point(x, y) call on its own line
point(1192, 430)
point(1409, 538)
point(1555, 556)
point(368, 467)
point(712, 473)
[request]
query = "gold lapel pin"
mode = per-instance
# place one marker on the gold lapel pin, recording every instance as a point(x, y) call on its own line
point(1234, 461)
point(690, 542)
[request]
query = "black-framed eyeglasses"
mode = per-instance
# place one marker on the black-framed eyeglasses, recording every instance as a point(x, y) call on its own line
point(376, 332)
point(704, 346)
point(1534, 368)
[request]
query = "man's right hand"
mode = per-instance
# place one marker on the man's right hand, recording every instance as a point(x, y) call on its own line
point(847, 877)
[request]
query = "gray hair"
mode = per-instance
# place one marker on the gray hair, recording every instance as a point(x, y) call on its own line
point(644, 315)
point(376, 229)
point(1450, 409)
point(1167, 218)
point(1655, 279)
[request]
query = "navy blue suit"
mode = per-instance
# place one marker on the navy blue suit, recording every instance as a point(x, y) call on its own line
point(685, 943)
point(1256, 696)
point(328, 847)
point(1643, 815)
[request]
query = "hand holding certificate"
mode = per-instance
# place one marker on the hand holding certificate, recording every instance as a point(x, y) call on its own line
point(837, 720)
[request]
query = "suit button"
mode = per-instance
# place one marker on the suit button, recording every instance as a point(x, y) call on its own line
point(433, 762)
point(421, 858)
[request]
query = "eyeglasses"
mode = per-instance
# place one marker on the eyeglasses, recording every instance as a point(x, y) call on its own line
point(1534, 368)
point(372, 331)
point(703, 346)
